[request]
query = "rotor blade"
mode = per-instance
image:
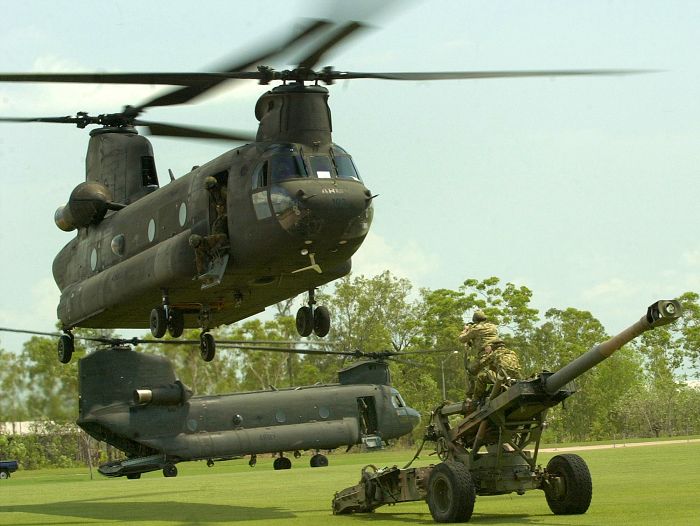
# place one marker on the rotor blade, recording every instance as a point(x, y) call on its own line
point(59, 120)
point(175, 130)
point(175, 79)
point(248, 348)
point(58, 335)
point(189, 93)
point(313, 57)
point(456, 75)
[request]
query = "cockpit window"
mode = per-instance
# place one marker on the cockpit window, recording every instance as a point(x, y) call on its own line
point(260, 176)
point(321, 166)
point(287, 167)
point(346, 168)
point(397, 401)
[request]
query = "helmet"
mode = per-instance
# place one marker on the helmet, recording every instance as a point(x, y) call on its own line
point(195, 240)
point(479, 316)
point(210, 182)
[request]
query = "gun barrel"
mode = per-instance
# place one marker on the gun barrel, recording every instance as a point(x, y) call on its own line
point(660, 313)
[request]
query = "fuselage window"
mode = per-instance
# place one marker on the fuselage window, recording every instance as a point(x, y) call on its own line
point(346, 168)
point(321, 166)
point(287, 167)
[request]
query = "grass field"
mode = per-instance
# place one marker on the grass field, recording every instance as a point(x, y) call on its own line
point(644, 485)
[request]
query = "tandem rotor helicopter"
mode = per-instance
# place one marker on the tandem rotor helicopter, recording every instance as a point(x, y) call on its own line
point(261, 223)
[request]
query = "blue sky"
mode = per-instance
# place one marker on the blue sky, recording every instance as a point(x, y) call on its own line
point(583, 189)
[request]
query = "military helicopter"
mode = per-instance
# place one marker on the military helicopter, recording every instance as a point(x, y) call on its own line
point(261, 223)
point(134, 402)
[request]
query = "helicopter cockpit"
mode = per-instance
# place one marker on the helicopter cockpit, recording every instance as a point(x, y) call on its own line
point(302, 190)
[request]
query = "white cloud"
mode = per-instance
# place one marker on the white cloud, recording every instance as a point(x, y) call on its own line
point(409, 261)
point(612, 288)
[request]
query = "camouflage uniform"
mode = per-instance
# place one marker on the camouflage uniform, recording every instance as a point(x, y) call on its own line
point(494, 362)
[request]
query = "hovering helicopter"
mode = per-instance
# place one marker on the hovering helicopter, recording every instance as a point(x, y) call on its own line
point(264, 222)
point(134, 402)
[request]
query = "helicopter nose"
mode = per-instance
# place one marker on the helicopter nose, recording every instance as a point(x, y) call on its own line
point(411, 418)
point(318, 209)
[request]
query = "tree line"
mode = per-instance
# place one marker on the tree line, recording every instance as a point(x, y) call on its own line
point(639, 392)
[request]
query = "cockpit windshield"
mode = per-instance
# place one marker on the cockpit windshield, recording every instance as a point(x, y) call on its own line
point(287, 167)
point(346, 168)
point(321, 166)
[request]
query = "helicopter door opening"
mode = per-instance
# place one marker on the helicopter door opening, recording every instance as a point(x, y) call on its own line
point(368, 416)
point(216, 244)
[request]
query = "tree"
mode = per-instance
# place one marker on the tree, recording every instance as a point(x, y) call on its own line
point(566, 335)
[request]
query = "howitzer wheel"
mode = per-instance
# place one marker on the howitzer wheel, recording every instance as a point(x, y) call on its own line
point(451, 492)
point(572, 493)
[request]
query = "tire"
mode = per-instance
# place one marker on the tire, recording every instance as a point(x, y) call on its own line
point(170, 470)
point(207, 346)
point(574, 495)
point(305, 321)
point(65, 348)
point(451, 493)
point(4, 474)
point(322, 321)
point(282, 463)
point(176, 323)
point(318, 461)
point(135, 476)
point(158, 322)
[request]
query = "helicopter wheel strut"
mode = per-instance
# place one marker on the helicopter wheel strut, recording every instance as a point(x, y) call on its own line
point(176, 323)
point(170, 470)
point(318, 461)
point(305, 321)
point(207, 346)
point(158, 322)
point(313, 319)
point(282, 463)
point(66, 345)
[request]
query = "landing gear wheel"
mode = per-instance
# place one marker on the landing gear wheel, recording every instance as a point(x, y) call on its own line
point(318, 461)
point(65, 348)
point(207, 346)
point(451, 493)
point(176, 323)
point(170, 470)
point(322, 321)
point(159, 323)
point(571, 491)
point(305, 321)
point(134, 476)
point(282, 463)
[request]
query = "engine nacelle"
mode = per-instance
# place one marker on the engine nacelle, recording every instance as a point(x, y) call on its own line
point(172, 394)
point(88, 204)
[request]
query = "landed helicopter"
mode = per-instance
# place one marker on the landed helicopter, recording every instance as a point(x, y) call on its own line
point(134, 402)
point(277, 217)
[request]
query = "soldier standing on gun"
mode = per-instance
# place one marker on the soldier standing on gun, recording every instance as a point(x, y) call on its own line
point(493, 363)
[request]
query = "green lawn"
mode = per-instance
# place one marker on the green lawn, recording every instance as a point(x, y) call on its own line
point(644, 485)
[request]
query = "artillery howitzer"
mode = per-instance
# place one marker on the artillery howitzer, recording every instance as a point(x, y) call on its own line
point(485, 453)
